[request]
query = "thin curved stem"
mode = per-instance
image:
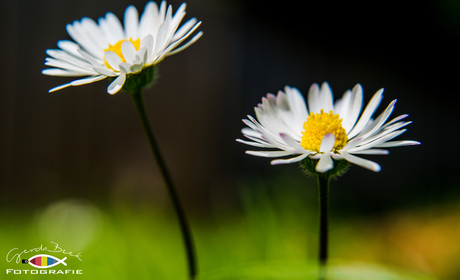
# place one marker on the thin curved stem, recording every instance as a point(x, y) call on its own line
point(323, 190)
point(186, 233)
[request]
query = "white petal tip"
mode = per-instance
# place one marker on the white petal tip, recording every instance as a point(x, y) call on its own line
point(117, 84)
point(357, 86)
point(113, 89)
point(279, 162)
point(373, 167)
point(327, 143)
point(323, 170)
point(290, 160)
point(58, 88)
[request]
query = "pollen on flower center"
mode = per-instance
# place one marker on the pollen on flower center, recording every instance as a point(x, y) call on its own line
point(116, 48)
point(319, 124)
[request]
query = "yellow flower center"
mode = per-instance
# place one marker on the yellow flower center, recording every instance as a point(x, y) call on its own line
point(117, 49)
point(320, 124)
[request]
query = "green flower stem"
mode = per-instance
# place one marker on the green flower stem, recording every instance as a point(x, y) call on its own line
point(309, 167)
point(186, 234)
point(323, 189)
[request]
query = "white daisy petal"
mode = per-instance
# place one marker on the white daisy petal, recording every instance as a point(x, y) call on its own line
point(175, 21)
point(62, 73)
point(84, 81)
point(315, 156)
point(313, 99)
point(326, 98)
point(342, 107)
point(69, 67)
point(355, 109)
point(292, 143)
point(106, 48)
point(259, 141)
point(252, 126)
point(87, 80)
point(290, 160)
point(136, 68)
point(111, 38)
point(105, 71)
point(268, 153)
point(92, 60)
point(77, 33)
point(171, 49)
point(289, 109)
point(180, 11)
point(169, 28)
point(296, 104)
point(147, 43)
point(363, 162)
point(125, 68)
point(148, 19)
point(66, 57)
point(372, 152)
point(381, 120)
point(283, 124)
point(254, 144)
point(114, 27)
point(378, 141)
point(162, 11)
point(352, 144)
point(131, 21)
point(93, 34)
point(184, 28)
point(117, 84)
point(129, 51)
point(113, 60)
point(159, 40)
point(141, 56)
point(367, 114)
point(327, 143)
point(336, 156)
point(398, 118)
point(325, 163)
point(70, 47)
point(398, 144)
point(384, 132)
point(250, 132)
point(395, 126)
point(59, 87)
point(274, 141)
point(186, 45)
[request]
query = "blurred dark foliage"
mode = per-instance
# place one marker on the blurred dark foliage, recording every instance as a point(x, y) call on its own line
point(81, 142)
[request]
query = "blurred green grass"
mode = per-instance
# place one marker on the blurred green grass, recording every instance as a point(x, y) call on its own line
point(272, 235)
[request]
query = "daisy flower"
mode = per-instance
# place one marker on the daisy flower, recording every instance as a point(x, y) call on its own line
point(107, 49)
point(324, 132)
